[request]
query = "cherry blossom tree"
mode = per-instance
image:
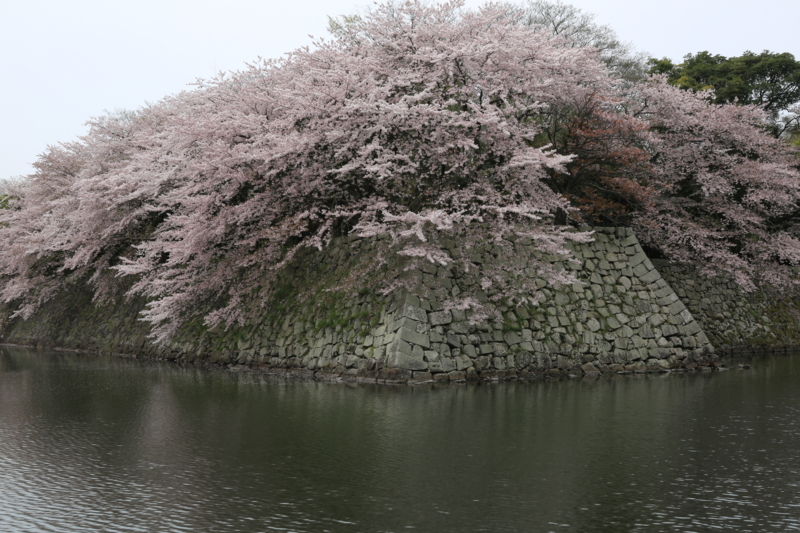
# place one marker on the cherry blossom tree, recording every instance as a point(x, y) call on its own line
point(721, 183)
point(415, 117)
point(580, 29)
point(415, 121)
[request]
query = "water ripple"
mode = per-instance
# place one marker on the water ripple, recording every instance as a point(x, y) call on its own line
point(102, 444)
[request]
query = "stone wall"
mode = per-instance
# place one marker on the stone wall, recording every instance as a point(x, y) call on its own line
point(735, 321)
point(624, 317)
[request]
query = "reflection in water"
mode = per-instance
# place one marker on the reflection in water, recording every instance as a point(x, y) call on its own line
point(99, 443)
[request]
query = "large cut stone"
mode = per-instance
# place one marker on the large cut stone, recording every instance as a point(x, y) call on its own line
point(441, 317)
point(589, 368)
point(593, 324)
point(676, 307)
point(415, 313)
point(409, 335)
point(669, 331)
point(650, 277)
point(512, 338)
point(638, 258)
point(399, 355)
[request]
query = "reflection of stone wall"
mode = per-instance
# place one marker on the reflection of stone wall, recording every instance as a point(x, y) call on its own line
point(735, 321)
point(626, 317)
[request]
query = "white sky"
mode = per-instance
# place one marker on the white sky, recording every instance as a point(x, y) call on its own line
point(64, 61)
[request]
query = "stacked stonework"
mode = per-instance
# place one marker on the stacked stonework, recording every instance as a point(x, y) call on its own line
point(734, 320)
point(623, 317)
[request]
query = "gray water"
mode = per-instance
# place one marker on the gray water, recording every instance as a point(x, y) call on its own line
point(91, 443)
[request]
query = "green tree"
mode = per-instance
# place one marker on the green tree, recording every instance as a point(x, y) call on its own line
point(769, 79)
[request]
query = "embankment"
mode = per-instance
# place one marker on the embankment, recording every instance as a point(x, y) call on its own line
point(631, 314)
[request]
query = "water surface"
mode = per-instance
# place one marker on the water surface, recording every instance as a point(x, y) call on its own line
point(92, 443)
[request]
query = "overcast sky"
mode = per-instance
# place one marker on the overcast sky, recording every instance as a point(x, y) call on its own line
point(64, 61)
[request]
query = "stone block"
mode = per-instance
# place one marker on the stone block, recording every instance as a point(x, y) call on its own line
point(443, 350)
point(499, 363)
point(662, 292)
point(589, 368)
point(398, 346)
point(403, 322)
point(415, 313)
point(401, 360)
point(394, 374)
point(657, 364)
point(565, 363)
point(435, 366)
point(637, 259)
point(625, 331)
point(675, 319)
point(460, 327)
point(669, 331)
point(692, 328)
point(676, 308)
point(441, 317)
point(668, 299)
point(422, 327)
point(512, 337)
point(457, 375)
point(469, 350)
point(448, 364)
point(526, 345)
point(639, 270)
point(413, 337)
point(650, 277)
point(561, 299)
